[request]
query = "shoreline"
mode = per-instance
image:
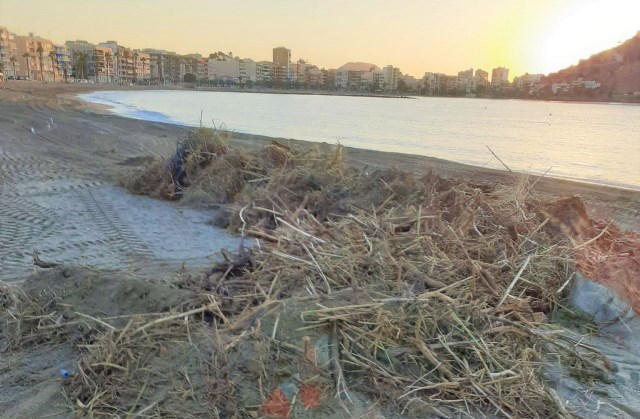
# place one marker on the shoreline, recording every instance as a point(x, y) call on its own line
point(103, 108)
point(91, 87)
point(27, 100)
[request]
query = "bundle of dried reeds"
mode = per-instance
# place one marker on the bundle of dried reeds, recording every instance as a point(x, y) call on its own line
point(450, 287)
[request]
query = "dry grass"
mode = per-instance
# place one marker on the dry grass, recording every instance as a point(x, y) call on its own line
point(465, 278)
point(435, 294)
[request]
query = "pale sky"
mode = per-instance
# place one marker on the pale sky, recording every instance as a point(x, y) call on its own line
point(416, 35)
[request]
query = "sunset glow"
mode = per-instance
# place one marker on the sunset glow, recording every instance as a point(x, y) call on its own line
point(414, 35)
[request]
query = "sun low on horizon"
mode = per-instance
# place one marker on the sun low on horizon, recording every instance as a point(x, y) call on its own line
point(415, 35)
point(581, 29)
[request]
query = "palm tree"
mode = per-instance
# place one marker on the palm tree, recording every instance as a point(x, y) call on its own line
point(143, 59)
point(126, 61)
point(79, 59)
point(27, 56)
point(40, 51)
point(13, 60)
point(107, 58)
point(160, 69)
point(52, 56)
point(116, 66)
point(135, 68)
point(82, 64)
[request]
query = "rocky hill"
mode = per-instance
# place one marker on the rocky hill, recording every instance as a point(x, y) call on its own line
point(359, 66)
point(617, 69)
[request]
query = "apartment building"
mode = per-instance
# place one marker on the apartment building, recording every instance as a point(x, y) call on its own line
point(391, 75)
point(282, 57)
point(482, 75)
point(328, 78)
point(434, 83)
point(280, 75)
point(62, 61)
point(10, 60)
point(224, 67)
point(128, 66)
point(372, 80)
point(202, 69)
point(527, 82)
point(341, 79)
point(142, 65)
point(306, 74)
point(248, 70)
point(82, 59)
point(467, 74)
point(35, 51)
point(500, 77)
point(264, 71)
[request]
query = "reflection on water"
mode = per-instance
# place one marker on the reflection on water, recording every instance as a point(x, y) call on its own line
point(618, 338)
point(588, 141)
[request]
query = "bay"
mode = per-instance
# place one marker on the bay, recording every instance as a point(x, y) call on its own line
point(592, 142)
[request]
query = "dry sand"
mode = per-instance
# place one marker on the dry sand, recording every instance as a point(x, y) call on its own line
point(43, 120)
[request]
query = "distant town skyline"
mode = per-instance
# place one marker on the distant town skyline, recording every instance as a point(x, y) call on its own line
point(415, 35)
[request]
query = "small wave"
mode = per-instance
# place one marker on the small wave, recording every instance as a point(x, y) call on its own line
point(125, 109)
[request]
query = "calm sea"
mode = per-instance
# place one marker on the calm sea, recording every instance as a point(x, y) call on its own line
point(593, 142)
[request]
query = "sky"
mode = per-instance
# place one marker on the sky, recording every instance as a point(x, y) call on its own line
point(446, 36)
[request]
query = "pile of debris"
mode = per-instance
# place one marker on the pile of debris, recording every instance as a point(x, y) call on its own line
point(368, 292)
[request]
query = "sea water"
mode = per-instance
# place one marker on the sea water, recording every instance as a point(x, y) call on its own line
point(592, 142)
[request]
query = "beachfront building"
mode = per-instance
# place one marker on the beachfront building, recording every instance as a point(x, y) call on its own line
point(248, 70)
point(341, 79)
point(224, 68)
point(264, 72)
point(372, 81)
point(127, 64)
point(410, 82)
point(439, 84)
point(233, 70)
point(167, 67)
point(282, 57)
point(499, 77)
point(10, 60)
point(35, 50)
point(112, 59)
point(580, 83)
point(305, 74)
point(102, 65)
point(482, 75)
point(189, 67)
point(142, 66)
point(160, 65)
point(391, 75)
point(528, 83)
point(62, 62)
point(202, 70)
point(328, 78)
point(466, 83)
point(82, 56)
point(467, 74)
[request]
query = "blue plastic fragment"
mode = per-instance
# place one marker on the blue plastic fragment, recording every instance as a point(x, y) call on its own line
point(64, 373)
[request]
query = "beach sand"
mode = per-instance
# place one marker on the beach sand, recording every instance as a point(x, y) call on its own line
point(45, 122)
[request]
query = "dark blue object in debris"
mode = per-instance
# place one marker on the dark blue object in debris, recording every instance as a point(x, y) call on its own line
point(177, 165)
point(64, 373)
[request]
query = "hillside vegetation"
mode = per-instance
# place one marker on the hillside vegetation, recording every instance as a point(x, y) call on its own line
point(617, 69)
